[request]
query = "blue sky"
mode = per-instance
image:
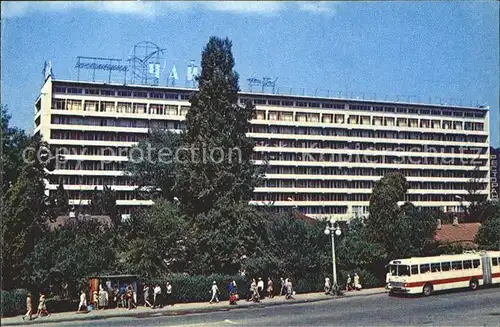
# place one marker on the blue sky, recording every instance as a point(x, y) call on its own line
point(447, 50)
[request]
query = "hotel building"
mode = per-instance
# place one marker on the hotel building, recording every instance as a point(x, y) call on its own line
point(324, 154)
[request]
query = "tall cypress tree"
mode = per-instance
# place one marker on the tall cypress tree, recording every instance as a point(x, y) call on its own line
point(25, 211)
point(216, 163)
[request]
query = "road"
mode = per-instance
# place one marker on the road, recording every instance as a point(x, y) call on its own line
point(464, 308)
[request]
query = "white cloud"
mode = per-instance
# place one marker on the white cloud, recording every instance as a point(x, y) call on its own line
point(154, 8)
point(317, 7)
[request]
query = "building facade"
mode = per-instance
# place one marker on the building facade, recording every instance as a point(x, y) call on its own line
point(324, 155)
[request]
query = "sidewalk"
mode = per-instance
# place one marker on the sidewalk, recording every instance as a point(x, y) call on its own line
point(182, 308)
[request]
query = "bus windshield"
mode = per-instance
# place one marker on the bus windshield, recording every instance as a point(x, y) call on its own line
point(399, 270)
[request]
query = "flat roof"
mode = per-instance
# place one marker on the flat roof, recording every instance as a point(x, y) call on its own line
point(277, 95)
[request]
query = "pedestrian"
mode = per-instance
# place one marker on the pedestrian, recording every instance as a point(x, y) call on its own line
point(29, 307)
point(215, 292)
point(130, 298)
point(169, 298)
point(260, 287)
point(357, 283)
point(42, 309)
point(103, 297)
point(230, 288)
point(156, 296)
point(254, 292)
point(95, 300)
point(289, 289)
point(270, 288)
point(145, 290)
point(83, 302)
point(348, 283)
point(328, 285)
point(231, 292)
point(283, 286)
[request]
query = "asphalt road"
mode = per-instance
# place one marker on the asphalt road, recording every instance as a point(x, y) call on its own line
point(463, 308)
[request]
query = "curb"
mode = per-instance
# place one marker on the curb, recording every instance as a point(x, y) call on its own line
point(182, 312)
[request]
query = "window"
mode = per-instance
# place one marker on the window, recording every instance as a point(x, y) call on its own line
point(59, 89)
point(260, 101)
point(91, 91)
point(314, 104)
point(424, 268)
point(327, 105)
point(287, 103)
point(274, 102)
point(456, 265)
point(436, 267)
point(445, 266)
point(108, 92)
point(140, 94)
point(301, 104)
point(156, 95)
point(122, 93)
point(185, 96)
point(173, 96)
point(475, 263)
point(494, 261)
point(403, 270)
point(74, 90)
point(467, 264)
point(414, 269)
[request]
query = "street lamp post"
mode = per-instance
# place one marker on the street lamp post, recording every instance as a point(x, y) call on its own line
point(332, 230)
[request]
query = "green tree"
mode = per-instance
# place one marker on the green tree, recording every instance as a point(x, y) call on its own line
point(103, 202)
point(152, 164)
point(216, 161)
point(72, 253)
point(60, 200)
point(222, 236)
point(25, 212)
point(13, 142)
point(488, 236)
point(154, 240)
point(403, 231)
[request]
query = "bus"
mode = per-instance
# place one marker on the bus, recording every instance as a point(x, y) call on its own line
point(425, 275)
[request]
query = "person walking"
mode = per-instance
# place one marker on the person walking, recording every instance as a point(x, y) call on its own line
point(254, 292)
point(270, 288)
point(348, 283)
point(283, 286)
point(215, 292)
point(42, 308)
point(156, 296)
point(289, 289)
point(328, 285)
point(260, 287)
point(29, 307)
point(357, 283)
point(145, 291)
point(169, 299)
point(130, 298)
point(95, 299)
point(83, 302)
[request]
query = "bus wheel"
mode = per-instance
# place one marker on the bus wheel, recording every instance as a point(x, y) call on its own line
point(427, 289)
point(473, 285)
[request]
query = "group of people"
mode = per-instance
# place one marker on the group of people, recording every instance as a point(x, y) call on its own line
point(352, 283)
point(116, 296)
point(158, 300)
point(42, 307)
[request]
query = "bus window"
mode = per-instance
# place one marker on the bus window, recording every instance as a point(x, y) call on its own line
point(403, 270)
point(467, 264)
point(414, 269)
point(445, 266)
point(394, 270)
point(456, 265)
point(475, 263)
point(435, 267)
point(424, 268)
point(494, 261)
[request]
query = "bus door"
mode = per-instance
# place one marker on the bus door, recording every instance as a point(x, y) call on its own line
point(486, 264)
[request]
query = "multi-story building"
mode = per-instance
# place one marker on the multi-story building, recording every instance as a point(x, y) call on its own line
point(324, 155)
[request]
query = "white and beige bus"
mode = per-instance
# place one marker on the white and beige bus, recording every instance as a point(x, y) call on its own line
point(424, 275)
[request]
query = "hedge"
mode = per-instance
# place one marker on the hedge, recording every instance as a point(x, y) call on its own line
point(13, 302)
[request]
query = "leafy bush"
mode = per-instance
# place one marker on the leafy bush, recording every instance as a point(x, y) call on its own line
point(186, 288)
point(13, 302)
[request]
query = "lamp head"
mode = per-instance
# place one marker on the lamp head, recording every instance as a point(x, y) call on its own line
point(338, 232)
point(327, 231)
